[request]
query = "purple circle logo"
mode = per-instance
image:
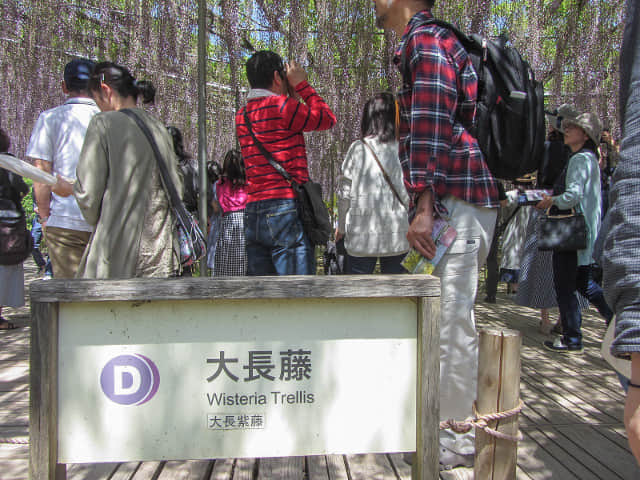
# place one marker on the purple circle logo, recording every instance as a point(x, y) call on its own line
point(130, 379)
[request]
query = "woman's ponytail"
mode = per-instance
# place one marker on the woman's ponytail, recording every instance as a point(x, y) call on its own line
point(146, 90)
point(120, 79)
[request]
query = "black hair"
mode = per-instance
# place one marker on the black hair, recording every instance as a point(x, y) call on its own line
point(555, 136)
point(233, 168)
point(430, 3)
point(260, 68)
point(213, 171)
point(121, 80)
point(379, 117)
point(178, 145)
point(591, 145)
point(5, 141)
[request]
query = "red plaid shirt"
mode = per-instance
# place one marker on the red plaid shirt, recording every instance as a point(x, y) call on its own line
point(437, 151)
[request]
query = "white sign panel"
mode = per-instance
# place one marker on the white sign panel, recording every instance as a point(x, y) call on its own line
point(223, 379)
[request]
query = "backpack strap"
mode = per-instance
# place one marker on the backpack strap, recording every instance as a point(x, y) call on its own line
point(465, 40)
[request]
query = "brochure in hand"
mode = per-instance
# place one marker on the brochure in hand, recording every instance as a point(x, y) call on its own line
point(443, 236)
point(531, 197)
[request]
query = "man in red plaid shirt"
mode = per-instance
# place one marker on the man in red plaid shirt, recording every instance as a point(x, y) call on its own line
point(446, 174)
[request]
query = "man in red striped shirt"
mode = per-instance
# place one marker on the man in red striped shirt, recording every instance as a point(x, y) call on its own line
point(281, 105)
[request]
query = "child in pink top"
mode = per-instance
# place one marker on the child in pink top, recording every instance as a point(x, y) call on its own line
point(231, 257)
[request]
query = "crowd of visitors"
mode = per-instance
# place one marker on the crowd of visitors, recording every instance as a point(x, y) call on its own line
point(109, 216)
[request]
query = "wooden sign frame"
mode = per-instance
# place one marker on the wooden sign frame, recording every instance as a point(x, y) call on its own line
point(46, 297)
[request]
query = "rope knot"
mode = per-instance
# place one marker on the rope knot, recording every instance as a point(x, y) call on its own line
point(482, 422)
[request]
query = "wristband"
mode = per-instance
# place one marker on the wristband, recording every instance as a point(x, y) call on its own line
point(633, 385)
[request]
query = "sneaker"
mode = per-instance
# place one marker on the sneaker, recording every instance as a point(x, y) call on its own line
point(557, 328)
point(559, 346)
point(450, 459)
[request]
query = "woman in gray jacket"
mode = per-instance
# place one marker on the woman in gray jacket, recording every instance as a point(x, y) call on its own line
point(119, 188)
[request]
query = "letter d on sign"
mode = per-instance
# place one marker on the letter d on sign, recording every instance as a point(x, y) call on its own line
point(132, 374)
point(130, 379)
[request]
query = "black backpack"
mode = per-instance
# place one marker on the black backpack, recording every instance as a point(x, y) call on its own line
point(509, 123)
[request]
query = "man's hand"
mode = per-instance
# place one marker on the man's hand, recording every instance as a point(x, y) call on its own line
point(339, 235)
point(62, 187)
point(419, 234)
point(295, 74)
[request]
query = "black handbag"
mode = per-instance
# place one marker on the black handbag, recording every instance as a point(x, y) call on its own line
point(193, 245)
point(312, 210)
point(15, 240)
point(562, 232)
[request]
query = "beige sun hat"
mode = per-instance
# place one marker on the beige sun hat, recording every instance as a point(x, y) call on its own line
point(563, 111)
point(589, 122)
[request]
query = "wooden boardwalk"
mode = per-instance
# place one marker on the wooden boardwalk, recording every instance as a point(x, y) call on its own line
point(572, 420)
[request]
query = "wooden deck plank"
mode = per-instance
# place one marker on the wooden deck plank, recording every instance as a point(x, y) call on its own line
point(542, 459)
point(91, 471)
point(14, 469)
point(579, 392)
point(603, 450)
point(222, 469)
point(285, 468)
point(401, 467)
point(570, 450)
point(369, 467)
point(125, 471)
point(146, 471)
point(244, 468)
point(337, 467)
point(186, 470)
point(570, 402)
point(317, 467)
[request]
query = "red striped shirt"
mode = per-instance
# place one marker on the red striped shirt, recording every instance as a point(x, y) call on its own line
point(278, 122)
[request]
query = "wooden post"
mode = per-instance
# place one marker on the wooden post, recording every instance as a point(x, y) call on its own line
point(426, 464)
point(43, 398)
point(498, 391)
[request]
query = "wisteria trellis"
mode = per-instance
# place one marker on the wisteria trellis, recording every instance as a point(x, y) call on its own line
point(573, 45)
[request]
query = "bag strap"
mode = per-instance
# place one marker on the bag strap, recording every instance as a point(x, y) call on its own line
point(267, 154)
point(174, 199)
point(384, 174)
point(462, 38)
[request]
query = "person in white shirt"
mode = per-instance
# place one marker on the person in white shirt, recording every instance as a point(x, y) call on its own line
point(55, 145)
point(372, 198)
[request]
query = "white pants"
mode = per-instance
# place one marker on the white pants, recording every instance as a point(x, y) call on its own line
point(458, 272)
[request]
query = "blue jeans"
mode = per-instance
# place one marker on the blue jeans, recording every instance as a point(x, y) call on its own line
point(366, 265)
point(36, 235)
point(569, 279)
point(276, 242)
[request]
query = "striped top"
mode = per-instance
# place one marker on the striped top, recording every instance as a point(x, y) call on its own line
point(278, 122)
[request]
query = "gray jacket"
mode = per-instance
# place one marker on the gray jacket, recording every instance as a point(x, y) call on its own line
point(620, 238)
point(119, 191)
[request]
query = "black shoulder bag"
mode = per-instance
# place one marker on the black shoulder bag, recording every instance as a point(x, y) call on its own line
point(192, 242)
point(15, 240)
point(312, 211)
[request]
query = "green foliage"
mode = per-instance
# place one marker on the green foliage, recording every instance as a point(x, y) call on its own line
point(27, 203)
